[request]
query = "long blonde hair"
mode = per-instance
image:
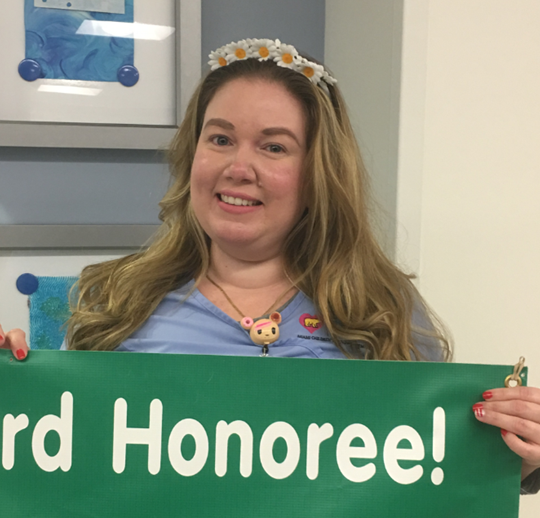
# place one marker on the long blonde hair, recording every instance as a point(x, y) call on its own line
point(366, 302)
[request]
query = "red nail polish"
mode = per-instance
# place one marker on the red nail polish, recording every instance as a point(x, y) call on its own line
point(487, 395)
point(478, 410)
point(21, 355)
point(503, 432)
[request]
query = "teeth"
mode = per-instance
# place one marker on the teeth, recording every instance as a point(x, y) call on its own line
point(237, 201)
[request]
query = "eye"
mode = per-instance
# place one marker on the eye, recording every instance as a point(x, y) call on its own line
point(220, 140)
point(275, 148)
point(273, 330)
point(259, 331)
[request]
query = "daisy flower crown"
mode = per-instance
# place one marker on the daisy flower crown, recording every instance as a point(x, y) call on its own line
point(271, 50)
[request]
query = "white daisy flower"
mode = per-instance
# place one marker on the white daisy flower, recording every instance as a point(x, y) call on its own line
point(237, 51)
point(263, 49)
point(311, 70)
point(218, 59)
point(286, 55)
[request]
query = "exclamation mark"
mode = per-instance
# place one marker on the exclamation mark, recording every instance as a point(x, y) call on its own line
point(439, 439)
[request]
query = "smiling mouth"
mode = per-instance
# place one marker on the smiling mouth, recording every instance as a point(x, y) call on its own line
point(231, 200)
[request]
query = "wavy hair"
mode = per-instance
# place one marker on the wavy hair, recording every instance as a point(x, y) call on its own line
point(366, 302)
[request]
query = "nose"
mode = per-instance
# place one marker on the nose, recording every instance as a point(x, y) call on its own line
point(242, 167)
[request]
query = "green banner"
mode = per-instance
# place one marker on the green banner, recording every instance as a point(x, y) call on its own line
point(98, 435)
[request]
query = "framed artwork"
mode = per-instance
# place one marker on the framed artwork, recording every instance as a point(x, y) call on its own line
point(75, 237)
point(97, 73)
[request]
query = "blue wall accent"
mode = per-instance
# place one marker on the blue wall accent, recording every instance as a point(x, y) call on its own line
point(72, 186)
point(300, 23)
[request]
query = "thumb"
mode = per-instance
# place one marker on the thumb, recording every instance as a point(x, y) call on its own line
point(16, 341)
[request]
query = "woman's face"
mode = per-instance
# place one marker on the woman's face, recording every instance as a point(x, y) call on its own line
point(246, 178)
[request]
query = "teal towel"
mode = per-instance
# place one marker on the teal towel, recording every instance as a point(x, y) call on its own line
point(49, 311)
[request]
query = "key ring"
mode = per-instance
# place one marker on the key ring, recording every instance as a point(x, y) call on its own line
point(515, 376)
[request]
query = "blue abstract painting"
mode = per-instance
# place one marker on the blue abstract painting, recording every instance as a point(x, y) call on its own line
point(49, 311)
point(55, 46)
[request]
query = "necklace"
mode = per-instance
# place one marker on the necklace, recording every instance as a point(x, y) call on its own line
point(265, 330)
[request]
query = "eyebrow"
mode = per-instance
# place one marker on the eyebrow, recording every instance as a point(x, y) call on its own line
point(222, 123)
point(278, 130)
point(281, 131)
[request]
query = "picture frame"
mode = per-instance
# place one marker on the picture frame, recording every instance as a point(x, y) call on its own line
point(74, 237)
point(187, 18)
point(33, 133)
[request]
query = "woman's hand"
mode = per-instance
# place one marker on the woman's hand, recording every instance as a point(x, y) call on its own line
point(516, 411)
point(16, 341)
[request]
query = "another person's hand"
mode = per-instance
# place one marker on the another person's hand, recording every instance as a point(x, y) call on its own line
point(16, 341)
point(516, 411)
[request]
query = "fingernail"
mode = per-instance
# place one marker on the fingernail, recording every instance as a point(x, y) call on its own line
point(20, 354)
point(487, 395)
point(503, 432)
point(478, 410)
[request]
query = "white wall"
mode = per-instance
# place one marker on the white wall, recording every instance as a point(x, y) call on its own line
point(479, 250)
point(469, 183)
point(466, 161)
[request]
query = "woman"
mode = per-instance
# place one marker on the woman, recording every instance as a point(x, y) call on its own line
point(267, 217)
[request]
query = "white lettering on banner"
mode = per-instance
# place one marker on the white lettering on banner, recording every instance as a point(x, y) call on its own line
point(392, 454)
point(245, 434)
point(279, 470)
point(345, 452)
point(63, 426)
point(188, 468)
point(439, 441)
point(122, 436)
point(315, 436)
point(394, 450)
point(12, 426)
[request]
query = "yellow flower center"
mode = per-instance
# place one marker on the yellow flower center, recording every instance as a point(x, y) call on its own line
point(222, 61)
point(264, 52)
point(287, 58)
point(308, 72)
point(240, 53)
